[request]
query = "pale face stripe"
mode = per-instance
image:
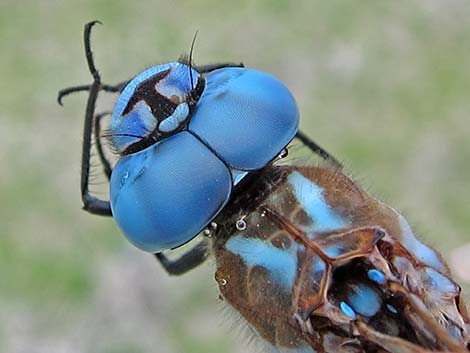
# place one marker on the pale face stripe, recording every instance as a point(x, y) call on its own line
point(174, 120)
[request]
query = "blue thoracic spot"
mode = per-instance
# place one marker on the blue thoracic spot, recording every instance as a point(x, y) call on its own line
point(310, 196)
point(440, 283)
point(280, 263)
point(364, 300)
point(392, 309)
point(455, 331)
point(318, 269)
point(347, 310)
point(334, 250)
point(376, 276)
point(423, 252)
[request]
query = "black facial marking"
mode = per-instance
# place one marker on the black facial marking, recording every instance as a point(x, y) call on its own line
point(160, 106)
point(147, 141)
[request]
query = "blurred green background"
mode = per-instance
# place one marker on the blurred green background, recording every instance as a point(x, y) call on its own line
point(383, 85)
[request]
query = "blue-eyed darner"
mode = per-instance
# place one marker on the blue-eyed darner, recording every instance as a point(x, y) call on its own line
point(308, 259)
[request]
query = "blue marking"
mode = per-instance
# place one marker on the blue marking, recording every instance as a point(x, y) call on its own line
point(178, 82)
point(179, 77)
point(423, 252)
point(455, 331)
point(174, 120)
point(318, 269)
point(128, 91)
point(365, 300)
point(376, 276)
point(310, 196)
point(392, 309)
point(440, 283)
point(427, 255)
point(130, 128)
point(282, 264)
point(347, 310)
point(334, 250)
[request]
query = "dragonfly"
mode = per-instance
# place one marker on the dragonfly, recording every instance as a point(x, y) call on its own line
point(309, 260)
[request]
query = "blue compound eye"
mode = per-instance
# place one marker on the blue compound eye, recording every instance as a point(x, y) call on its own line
point(153, 105)
point(246, 115)
point(164, 195)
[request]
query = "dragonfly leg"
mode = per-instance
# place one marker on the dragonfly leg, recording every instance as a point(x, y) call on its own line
point(188, 261)
point(203, 69)
point(117, 88)
point(315, 148)
point(91, 203)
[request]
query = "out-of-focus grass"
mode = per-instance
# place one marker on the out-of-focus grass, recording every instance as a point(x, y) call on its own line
point(383, 85)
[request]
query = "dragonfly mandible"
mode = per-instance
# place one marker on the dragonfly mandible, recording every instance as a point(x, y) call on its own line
point(310, 261)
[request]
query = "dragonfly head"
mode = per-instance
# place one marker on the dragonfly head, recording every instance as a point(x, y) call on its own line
point(186, 142)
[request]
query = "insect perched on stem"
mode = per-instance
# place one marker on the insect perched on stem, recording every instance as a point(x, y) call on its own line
point(309, 260)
